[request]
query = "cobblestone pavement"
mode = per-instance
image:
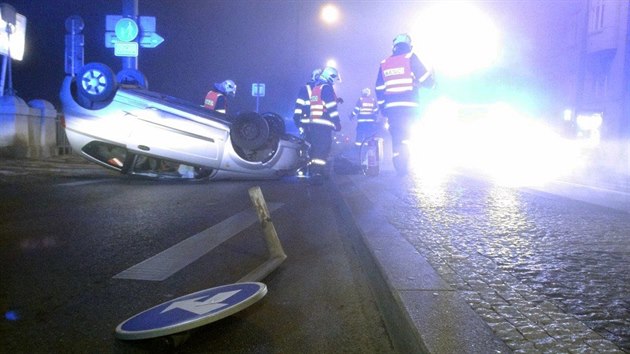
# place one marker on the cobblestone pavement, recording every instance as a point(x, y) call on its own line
point(547, 274)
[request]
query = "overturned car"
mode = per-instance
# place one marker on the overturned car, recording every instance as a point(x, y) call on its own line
point(130, 129)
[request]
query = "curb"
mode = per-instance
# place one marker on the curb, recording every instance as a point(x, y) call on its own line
point(422, 313)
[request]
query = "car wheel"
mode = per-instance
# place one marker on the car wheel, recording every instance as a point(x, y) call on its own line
point(249, 131)
point(96, 82)
point(276, 124)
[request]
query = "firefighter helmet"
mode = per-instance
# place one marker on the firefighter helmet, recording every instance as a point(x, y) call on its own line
point(315, 74)
point(329, 75)
point(366, 92)
point(228, 87)
point(402, 38)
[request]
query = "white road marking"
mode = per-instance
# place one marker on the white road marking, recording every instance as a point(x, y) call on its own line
point(168, 262)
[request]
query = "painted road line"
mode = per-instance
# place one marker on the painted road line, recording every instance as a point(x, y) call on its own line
point(168, 262)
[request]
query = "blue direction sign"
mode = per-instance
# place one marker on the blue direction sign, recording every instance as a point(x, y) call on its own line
point(191, 311)
point(123, 29)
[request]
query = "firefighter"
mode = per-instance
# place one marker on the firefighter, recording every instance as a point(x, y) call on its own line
point(398, 83)
point(302, 102)
point(365, 112)
point(323, 118)
point(216, 99)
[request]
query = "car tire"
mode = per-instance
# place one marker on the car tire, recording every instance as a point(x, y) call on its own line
point(276, 124)
point(249, 131)
point(96, 82)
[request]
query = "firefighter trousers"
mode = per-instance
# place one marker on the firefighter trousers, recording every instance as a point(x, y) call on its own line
point(320, 138)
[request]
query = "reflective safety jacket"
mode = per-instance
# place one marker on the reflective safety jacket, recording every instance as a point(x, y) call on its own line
point(399, 79)
point(323, 107)
point(215, 101)
point(303, 103)
point(365, 110)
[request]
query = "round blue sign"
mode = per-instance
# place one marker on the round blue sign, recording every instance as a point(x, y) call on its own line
point(191, 311)
point(126, 29)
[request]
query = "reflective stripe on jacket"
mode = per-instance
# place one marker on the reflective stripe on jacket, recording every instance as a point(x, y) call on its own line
point(321, 112)
point(365, 109)
point(399, 79)
point(302, 102)
point(397, 74)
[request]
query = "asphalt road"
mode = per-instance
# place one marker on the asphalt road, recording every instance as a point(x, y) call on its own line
point(67, 235)
point(542, 270)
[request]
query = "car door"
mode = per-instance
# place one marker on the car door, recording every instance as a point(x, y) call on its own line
point(179, 137)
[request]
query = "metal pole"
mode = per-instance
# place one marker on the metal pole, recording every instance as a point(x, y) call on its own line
point(276, 252)
point(10, 91)
point(130, 10)
point(4, 72)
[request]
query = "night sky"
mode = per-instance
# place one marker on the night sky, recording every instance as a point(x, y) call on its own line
point(275, 42)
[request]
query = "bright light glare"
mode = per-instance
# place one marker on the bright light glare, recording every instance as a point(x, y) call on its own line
point(589, 121)
point(433, 153)
point(332, 63)
point(493, 140)
point(15, 44)
point(455, 38)
point(329, 13)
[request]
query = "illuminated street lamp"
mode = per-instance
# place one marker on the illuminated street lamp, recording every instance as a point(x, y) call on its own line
point(329, 14)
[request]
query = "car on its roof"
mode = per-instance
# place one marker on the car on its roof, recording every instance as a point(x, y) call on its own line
point(127, 128)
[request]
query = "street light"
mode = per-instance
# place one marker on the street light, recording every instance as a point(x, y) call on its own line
point(329, 14)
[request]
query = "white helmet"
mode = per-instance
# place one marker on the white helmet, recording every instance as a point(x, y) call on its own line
point(228, 87)
point(315, 74)
point(402, 38)
point(366, 92)
point(329, 75)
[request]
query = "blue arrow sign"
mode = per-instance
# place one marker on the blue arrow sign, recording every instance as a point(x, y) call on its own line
point(191, 311)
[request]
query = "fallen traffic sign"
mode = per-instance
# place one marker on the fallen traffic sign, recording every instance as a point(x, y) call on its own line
point(191, 311)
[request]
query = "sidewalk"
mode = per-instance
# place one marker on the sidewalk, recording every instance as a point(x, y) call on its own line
point(424, 314)
point(440, 299)
point(63, 165)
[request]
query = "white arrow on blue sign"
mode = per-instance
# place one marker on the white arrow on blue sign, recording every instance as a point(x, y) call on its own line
point(151, 40)
point(191, 311)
